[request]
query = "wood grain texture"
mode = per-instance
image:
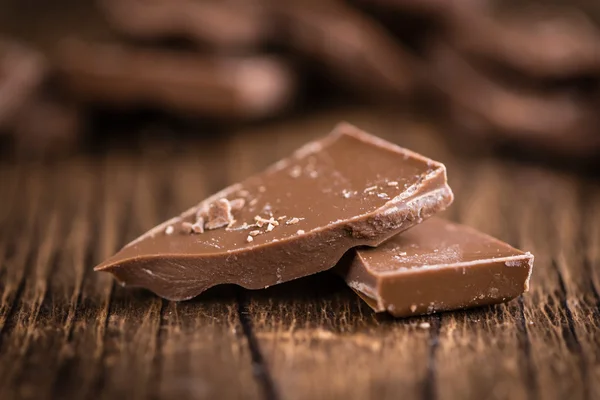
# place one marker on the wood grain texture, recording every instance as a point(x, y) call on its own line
point(69, 333)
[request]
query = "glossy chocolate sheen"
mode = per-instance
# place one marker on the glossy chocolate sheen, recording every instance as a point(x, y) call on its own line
point(180, 81)
point(437, 266)
point(296, 218)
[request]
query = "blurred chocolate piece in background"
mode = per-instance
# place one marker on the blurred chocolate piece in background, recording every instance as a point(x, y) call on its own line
point(354, 49)
point(31, 117)
point(220, 25)
point(503, 73)
point(540, 41)
point(180, 81)
point(556, 121)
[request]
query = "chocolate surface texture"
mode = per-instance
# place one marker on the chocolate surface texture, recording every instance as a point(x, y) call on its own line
point(296, 218)
point(437, 266)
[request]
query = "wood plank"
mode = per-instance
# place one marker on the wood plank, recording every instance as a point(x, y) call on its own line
point(591, 242)
point(59, 281)
point(27, 287)
point(315, 338)
point(204, 353)
point(569, 210)
point(556, 357)
point(479, 353)
point(320, 341)
point(80, 368)
point(134, 317)
point(12, 251)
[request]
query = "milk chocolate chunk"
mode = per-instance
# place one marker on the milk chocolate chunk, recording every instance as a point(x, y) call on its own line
point(179, 81)
point(437, 266)
point(559, 123)
point(350, 46)
point(222, 24)
point(297, 218)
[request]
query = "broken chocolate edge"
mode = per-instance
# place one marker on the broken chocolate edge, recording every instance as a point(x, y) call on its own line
point(395, 205)
point(378, 303)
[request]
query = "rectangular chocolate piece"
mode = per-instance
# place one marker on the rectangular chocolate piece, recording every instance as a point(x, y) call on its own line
point(180, 81)
point(296, 218)
point(220, 24)
point(437, 266)
point(352, 47)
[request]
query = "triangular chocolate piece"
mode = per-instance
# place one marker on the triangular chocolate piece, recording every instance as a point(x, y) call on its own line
point(296, 218)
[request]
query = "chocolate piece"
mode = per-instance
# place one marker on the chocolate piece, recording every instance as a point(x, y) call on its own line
point(540, 41)
point(354, 48)
point(35, 120)
point(250, 87)
point(219, 24)
point(557, 122)
point(437, 266)
point(292, 225)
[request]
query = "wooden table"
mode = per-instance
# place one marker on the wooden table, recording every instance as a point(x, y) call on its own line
point(69, 333)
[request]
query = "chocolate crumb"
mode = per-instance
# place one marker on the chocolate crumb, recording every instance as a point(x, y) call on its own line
point(254, 233)
point(370, 188)
point(219, 214)
point(424, 325)
point(262, 189)
point(243, 193)
point(260, 221)
point(313, 174)
point(270, 227)
point(237, 204)
point(198, 227)
point(253, 202)
point(300, 232)
point(392, 183)
point(296, 172)
point(413, 308)
point(169, 230)
point(249, 239)
point(186, 227)
point(282, 218)
point(293, 221)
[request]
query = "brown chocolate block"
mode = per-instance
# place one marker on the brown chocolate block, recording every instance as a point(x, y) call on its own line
point(558, 122)
point(125, 76)
point(220, 24)
point(352, 47)
point(296, 218)
point(541, 41)
point(437, 266)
